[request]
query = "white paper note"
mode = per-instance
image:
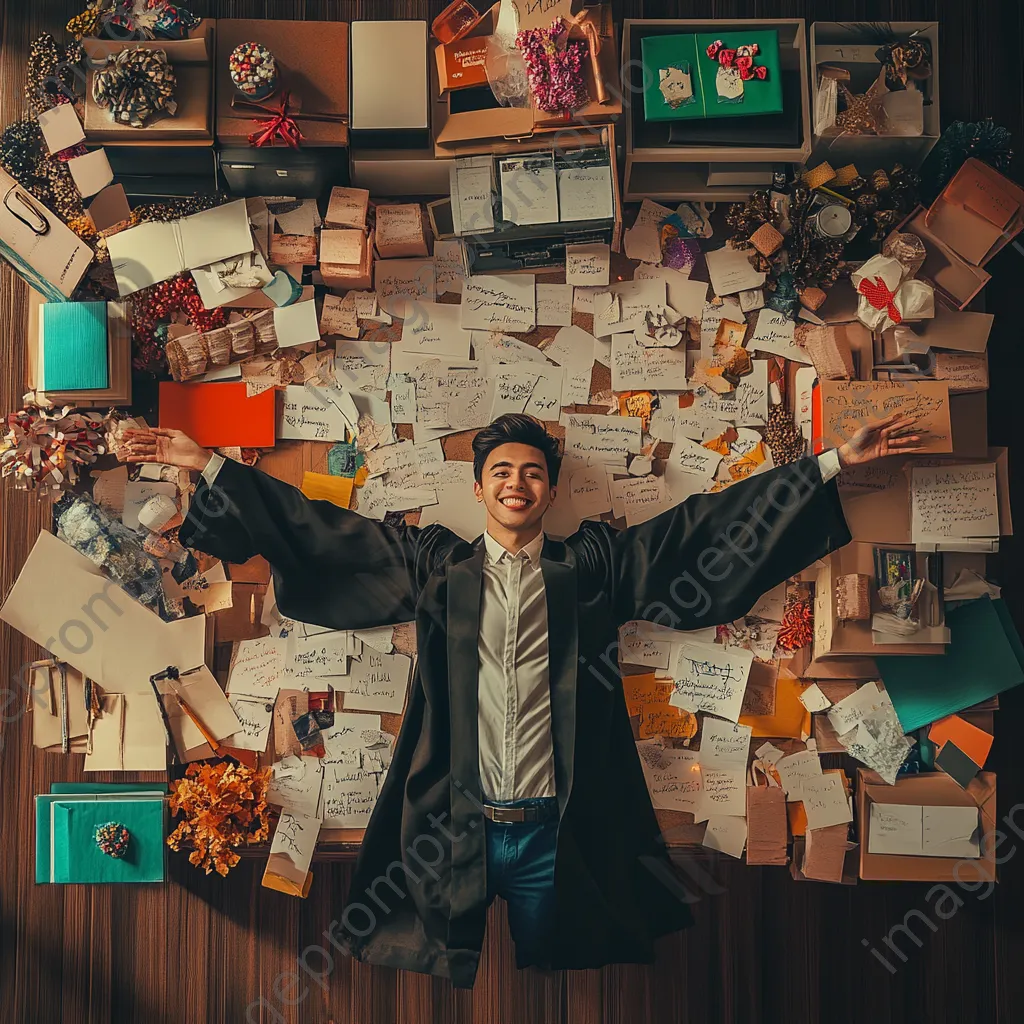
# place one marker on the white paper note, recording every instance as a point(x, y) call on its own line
point(774, 332)
point(587, 264)
point(723, 744)
point(377, 682)
point(727, 834)
point(723, 792)
point(317, 414)
point(500, 303)
point(673, 776)
point(731, 272)
point(710, 678)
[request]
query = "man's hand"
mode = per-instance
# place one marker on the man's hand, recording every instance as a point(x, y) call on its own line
point(173, 447)
point(877, 440)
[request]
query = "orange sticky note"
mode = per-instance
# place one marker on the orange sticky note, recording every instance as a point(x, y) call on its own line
point(644, 688)
point(219, 415)
point(666, 720)
point(791, 719)
point(974, 742)
point(324, 487)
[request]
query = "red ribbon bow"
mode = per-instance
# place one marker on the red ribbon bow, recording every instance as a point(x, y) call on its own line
point(742, 59)
point(878, 294)
point(280, 126)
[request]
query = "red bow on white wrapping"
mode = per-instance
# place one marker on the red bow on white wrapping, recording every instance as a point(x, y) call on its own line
point(880, 297)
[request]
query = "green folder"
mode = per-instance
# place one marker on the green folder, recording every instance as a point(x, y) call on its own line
point(79, 791)
point(77, 858)
point(984, 657)
point(74, 346)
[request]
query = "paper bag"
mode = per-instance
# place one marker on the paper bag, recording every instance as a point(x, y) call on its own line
point(40, 247)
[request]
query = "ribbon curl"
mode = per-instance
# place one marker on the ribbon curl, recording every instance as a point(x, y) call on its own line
point(741, 58)
point(279, 126)
point(880, 297)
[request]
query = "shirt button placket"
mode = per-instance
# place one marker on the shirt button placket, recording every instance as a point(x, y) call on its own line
point(515, 569)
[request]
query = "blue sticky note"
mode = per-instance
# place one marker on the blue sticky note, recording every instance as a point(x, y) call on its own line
point(74, 346)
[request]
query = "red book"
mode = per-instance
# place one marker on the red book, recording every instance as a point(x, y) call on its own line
point(218, 414)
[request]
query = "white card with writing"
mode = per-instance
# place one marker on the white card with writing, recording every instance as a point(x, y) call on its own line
point(710, 678)
point(317, 414)
point(731, 271)
point(256, 668)
point(724, 744)
point(587, 264)
point(377, 682)
point(774, 332)
point(723, 791)
point(554, 305)
point(672, 775)
point(500, 303)
point(434, 328)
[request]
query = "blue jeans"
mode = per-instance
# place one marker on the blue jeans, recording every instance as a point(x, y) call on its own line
point(521, 869)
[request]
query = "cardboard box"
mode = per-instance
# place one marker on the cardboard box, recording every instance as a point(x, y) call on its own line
point(192, 60)
point(954, 279)
point(351, 278)
point(461, 64)
point(978, 213)
point(347, 208)
point(389, 100)
point(400, 172)
point(312, 62)
point(933, 789)
point(466, 120)
point(956, 331)
point(848, 637)
point(883, 516)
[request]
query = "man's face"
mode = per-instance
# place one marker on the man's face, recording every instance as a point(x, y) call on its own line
point(515, 487)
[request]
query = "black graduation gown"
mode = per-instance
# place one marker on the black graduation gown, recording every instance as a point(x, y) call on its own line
point(417, 899)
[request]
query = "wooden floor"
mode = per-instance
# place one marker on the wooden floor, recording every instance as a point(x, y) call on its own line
point(764, 948)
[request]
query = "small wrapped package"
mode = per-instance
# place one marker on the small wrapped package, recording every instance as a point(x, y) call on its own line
point(853, 601)
point(887, 297)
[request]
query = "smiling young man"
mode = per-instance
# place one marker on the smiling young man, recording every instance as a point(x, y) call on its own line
point(515, 772)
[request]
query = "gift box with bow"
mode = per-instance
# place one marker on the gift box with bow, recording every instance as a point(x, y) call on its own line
point(888, 296)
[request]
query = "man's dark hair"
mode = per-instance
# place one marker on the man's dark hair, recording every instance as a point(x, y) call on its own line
point(515, 428)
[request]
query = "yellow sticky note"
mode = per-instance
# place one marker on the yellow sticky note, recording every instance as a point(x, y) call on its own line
point(324, 487)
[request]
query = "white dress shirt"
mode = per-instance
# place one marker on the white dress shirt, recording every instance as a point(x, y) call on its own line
point(514, 698)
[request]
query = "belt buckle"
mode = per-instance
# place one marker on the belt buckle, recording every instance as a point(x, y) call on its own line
point(508, 815)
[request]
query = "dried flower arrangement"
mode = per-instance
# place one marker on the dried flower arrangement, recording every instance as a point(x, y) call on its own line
point(224, 805)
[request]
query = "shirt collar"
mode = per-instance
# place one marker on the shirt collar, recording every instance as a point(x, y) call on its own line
point(495, 552)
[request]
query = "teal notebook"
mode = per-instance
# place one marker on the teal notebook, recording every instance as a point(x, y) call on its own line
point(64, 791)
point(74, 346)
point(77, 858)
point(984, 657)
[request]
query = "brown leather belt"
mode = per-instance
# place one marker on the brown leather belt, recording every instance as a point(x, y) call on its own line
point(521, 815)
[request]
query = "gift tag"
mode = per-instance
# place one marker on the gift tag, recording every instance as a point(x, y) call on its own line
point(729, 84)
point(676, 85)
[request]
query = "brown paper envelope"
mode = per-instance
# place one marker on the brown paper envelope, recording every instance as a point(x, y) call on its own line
point(145, 741)
point(204, 697)
point(60, 599)
point(46, 725)
point(108, 736)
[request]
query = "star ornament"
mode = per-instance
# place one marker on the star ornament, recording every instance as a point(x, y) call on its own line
point(863, 114)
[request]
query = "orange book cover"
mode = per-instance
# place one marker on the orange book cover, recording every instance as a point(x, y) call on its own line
point(218, 414)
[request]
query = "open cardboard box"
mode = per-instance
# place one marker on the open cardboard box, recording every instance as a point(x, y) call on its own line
point(192, 60)
point(953, 278)
point(833, 635)
point(952, 330)
point(472, 116)
point(931, 789)
point(883, 516)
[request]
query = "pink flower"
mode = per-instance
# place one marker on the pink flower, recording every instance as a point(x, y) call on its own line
point(555, 71)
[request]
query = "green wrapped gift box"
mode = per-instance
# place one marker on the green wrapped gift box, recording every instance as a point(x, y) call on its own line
point(682, 81)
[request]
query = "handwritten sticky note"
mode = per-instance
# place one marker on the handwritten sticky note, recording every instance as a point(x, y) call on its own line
point(825, 801)
point(663, 720)
point(727, 834)
point(256, 668)
point(776, 333)
point(347, 207)
point(601, 438)
point(317, 414)
point(636, 367)
point(672, 775)
point(499, 303)
point(954, 505)
point(585, 193)
point(847, 405)
point(731, 271)
point(450, 265)
point(795, 769)
point(377, 682)
point(588, 492)
point(587, 264)
point(724, 744)
point(554, 305)
point(635, 648)
point(342, 246)
point(964, 371)
point(291, 852)
point(895, 829)
point(363, 366)
point(723, 792)
point(339, 316)
point(255, 715)
point(401, 283)
point(711, 678)
point(433, 328)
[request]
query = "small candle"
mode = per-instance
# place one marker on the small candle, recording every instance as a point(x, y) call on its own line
point(834, 221)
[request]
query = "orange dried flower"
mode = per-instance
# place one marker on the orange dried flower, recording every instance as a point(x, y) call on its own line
point(224, 806)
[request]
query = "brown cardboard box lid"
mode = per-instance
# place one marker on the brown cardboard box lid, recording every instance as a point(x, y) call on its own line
point(953, 277)
point(198, 48)
point(191, 122)
point(978, 212)
point(931, 789)
point(312, 60)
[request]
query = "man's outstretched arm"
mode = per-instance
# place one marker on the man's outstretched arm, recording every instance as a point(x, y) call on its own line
point(332, 566)
point(708, 560)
